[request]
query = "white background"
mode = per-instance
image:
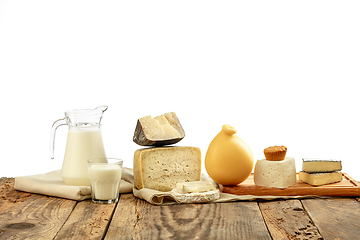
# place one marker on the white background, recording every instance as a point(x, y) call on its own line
point(281, 72)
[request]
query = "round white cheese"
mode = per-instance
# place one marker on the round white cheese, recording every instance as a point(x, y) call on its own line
point(277, 174)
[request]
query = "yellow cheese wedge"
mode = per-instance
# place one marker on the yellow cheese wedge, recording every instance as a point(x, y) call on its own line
point(312, 165)
point(317, 179)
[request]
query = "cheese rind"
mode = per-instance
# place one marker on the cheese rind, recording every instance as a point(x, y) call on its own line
point(161, 130)
point(196, 197)
point(195, 187)
point(318, 165)
point(276, 174)
point(317, 179)
point(162, 167)
point(195, 192)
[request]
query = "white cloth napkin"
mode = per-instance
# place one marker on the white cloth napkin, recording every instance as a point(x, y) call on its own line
point(51, 184)
point(166, 198)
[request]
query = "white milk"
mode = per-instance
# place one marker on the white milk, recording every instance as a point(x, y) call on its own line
point(105, 181)
point(82, 145)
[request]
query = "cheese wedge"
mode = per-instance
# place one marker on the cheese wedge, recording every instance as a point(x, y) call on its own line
point(161, 168)
point(161, 130)
point(317, 179)
point(318, 165)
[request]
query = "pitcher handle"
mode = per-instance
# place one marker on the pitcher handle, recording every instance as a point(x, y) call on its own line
point(55, 125)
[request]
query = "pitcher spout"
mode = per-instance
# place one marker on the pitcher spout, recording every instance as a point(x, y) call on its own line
point(101, 108)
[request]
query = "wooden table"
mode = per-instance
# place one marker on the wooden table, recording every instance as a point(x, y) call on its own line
point(32, 216)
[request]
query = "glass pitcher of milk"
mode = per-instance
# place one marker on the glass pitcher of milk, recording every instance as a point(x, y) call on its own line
point(84, 142)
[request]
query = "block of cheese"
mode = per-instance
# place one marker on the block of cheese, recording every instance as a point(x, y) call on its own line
point(161, 130)
point(276, 174)
point(312, 165)
point(161, 168)
point(317, 179)
point(196, 197)
point(195, 187)
point(195, 192)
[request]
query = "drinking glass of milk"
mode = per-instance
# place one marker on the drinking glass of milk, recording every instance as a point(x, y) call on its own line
point(105, 178)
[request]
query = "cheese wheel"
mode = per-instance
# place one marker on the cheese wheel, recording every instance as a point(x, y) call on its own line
point(161, 168)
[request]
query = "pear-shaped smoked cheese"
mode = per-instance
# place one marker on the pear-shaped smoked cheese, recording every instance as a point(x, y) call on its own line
point(228, 160)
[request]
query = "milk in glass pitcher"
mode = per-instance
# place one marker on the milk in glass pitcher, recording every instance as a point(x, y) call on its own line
point(84, 142)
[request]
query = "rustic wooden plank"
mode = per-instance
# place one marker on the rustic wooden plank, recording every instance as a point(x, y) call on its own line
point(3, 179)
point(336, 218)
point(30, 216)
point(88, 221)
point(124, 219)
point(288, 220)
point(8, 193)
point(236, 220)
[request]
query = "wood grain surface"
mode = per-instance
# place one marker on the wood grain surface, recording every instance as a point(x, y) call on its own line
point(189, 221)
point(288, 220)
point(125, 218)
point(87, 221)
point(336, 218)
point(33, 216)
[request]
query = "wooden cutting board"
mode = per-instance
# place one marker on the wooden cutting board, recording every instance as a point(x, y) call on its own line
point(348, 187)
